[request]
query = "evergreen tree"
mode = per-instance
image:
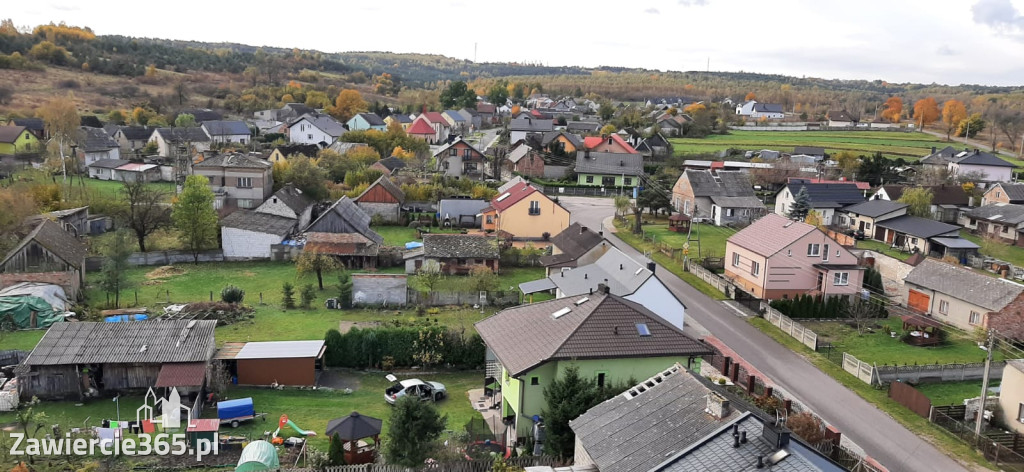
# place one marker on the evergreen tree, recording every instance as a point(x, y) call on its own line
point(336, 452)
point(414, 427)
point(567, 398)
point(114, 275)
point(345, 289)
point(801, 205)
point(288, 295)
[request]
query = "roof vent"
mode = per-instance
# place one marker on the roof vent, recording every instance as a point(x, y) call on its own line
point(560, 313)
point(581, 301)
point(638, 271)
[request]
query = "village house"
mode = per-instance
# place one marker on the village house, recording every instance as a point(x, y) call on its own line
point(289, 202)
point(456, 121)
point(757, 110)
point(421, 128)
point(978, 165)
point(48, 254)
point(283, 153)
point(611, 144)
point(389, 165)
point(583, 127)
point(947, 200)
point(438, 124)
point(520, 127)
point(1004, 221)
point(915, 234)
point(16, 140)
point(487, 113)
point(402, 119)
point(561, 143)
point(73, 360)
point(1011, 396)
point(824, 199)
point(138, 172)
point(172, 141)
point(841, 119)
point(862, 216)
point(105, 169)
point(237, 180)
point(460, 212)
point(366, 121)
point(655, 147)
point(523, 160)
point(1004, 192)
point(960, 296)
point(248, 235)
point(722, 197)
point(461, 159)
point(776, 257)
point(382, 200)
point(472, 117)
point(94, 144)
point(525, 213)
point(574, 247)
point(939, 158)
point(608, 338)
point(224, 132)
point(315, 128)
point(609, 170)
point(454, 254)
point(344, 216)
point(132, 139)
point(289, 111)
point(36, 126)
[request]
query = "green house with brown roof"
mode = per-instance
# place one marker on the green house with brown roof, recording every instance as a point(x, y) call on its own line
point(610, 339)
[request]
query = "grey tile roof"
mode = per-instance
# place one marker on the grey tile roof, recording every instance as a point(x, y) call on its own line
point(875, 208)
point(203, 114)
point(465, 246)
point(940, 157)
point(293, 198)
point(135, 133)
point(737, 202)
point(584, 126)
point(531, 124)
point(456, 207)
point(225, 128)
point(135, 342)
point(233, 160)
point(108, 163)
point(609, 163)
point(917, 226)
point(636, 433)
point(454, 115)
point(573, 242)
point(601, 327)
point(401, 118)
point(258, 222)
point(829, 195)
point(325, 123)
point(1004, 213)
point(33, 124)
point(727, 183)
point(50, 235)
point(392, 163)
point(979, 158)
point(182, 135)
point(1014, 192)
point(619, 272)
point(353, 217)
point(373, 119)
point(768, 107)
point(94, 139)
point(981, 290)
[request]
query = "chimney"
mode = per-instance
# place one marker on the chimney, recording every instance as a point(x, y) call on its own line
point(620, 266)
point(760, 462)
point(777, 436)
point(976, 151)
point(651, 266)
point(591, 290)
point(602, 288)
point(718, 406)
point(735, 441)
point(585, 276)
point(583, 229)
point(600, 233)
point(743, 437)
point(933, 149)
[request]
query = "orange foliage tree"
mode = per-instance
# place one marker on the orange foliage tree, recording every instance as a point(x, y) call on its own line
point(750, 96)
point(348, 103)
point(694, 108)
point(893, 109)
point(953, 112)
point(926, 111)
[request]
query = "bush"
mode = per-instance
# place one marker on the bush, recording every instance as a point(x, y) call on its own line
point(232, 294)
point(307, 296)
point(288, 295)
point(404, 346)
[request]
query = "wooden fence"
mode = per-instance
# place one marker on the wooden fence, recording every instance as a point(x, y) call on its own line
point(911, 398)
point(842, 238)
point(461, 466)
point(787, 325)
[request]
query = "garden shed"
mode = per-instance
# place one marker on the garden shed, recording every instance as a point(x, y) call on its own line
point(279, 362)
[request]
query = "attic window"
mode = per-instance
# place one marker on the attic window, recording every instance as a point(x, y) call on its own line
point(503, 196)
point(560, 313)
point(275, 199)
point(582, 301)
point(642, 329)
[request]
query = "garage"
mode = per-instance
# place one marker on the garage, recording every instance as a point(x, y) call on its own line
point(294, 363)
point(918, 301)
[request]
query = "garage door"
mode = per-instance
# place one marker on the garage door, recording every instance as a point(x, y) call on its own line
point(918, 301)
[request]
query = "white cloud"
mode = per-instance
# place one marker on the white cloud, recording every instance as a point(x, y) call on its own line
point(693, 3)
point(652, 11)
point(998, 14)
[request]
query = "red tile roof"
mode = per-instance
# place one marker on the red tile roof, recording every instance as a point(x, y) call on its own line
point(187, 374)
point(594, 141)
point(420, 126)
point(515, 194)
point(203, 425)
point(770, 234)
point(435, 117)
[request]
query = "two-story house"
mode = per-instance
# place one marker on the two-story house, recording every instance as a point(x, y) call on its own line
point(456, 121)
point(608, 338)
point(315, 128)
point(610, 170)
point(776, 257)
point(520, 127)
point(36, 126)
point(757, 110)
point(421, 128)
point(224, 132)
point(16, 140)
point(981, 166)
point(824, 199)
point(365, 121)
point(525, 213)
point(438, 124)
point(132, 138)
point(721, 197)
point(237, 180)
point(461, 159)
point(94, 144)
point(612, 143)
point(171, 142)
point(1004, 192)
point(863, 216)
point(403, 120)
point(958, 296)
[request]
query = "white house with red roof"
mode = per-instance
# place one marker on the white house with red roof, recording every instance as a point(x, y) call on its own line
point(421, 128)
point(439, 124)
point(525, 213)
point(776, 257)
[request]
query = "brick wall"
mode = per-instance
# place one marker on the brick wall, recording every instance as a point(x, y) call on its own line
point(1009, 321)
point(531, 165)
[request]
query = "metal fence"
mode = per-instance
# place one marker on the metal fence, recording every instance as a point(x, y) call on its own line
point(586, 191)
point(911, 398)
point(995, 451)
point(787, 325)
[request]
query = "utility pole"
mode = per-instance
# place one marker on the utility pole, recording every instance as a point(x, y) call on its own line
point(984, 383)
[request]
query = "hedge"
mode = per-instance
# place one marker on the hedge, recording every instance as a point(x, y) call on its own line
point(387, 347)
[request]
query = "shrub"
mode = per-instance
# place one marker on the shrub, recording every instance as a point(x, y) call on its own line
point(288, 295)
point(345, 290)
point(232, 294)
point(336, 452)
point(307, 296)
point(404, 346)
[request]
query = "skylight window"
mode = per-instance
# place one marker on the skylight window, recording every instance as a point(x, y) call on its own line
point(642, 329)
point(560, 313)
point(582, 301)
point(504, 196)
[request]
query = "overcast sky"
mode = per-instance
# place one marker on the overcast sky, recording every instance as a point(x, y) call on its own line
point(943, 41)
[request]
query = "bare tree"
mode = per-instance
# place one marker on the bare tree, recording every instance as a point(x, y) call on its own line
point(860, 312)
point(145, 209)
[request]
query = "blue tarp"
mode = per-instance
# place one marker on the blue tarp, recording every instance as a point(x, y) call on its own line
point(235, 408)
point(413, 245)
point(119, 318)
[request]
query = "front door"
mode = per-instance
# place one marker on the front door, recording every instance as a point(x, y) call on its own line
point(861, 226)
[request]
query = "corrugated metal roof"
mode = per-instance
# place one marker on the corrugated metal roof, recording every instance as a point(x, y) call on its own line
point(280, 349)
point(135, 342)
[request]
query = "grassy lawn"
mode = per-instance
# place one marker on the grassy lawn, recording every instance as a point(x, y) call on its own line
point(880, 398)
point(878, 347)
point(309, 409)
point(883, 248)
point(953, 393)
point(112, 188)
point(396, 235)
point(667, 262)
point(21, 340)
point(508, 280)
point(910, 146)
point(1012, 254)
point(712, 238)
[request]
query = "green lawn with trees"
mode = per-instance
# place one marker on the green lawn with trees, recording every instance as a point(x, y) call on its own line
point(878, 347)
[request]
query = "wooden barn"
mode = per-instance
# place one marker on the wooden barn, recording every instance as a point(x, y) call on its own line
point(47, 254)
point(382, 199)
point(75, 360)
point(344, 216)
point(275, 362)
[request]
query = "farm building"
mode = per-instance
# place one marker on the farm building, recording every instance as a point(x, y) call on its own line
point(382, 199)
point(74, 360)
point(247, 234)
point(275, 362)
point(47, 254)
point(344, 216)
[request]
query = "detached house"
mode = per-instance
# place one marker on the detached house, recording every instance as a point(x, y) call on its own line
point(612, 144)
point(576, 246)
point(525, 213)
point(915, 234)
point(438, 124)
point(1004, 192)
point(988, 167)
point(403, 120)
point(289, 202)
point(132, 138)
point(283, 153)
point(1002, 220)
point(94, 144)
point(461, 159)
point(454, 254)
point(383, 200)
point(365, 121)
point(757, 110)
point(520, 127)
point(608, 338)
point(947, 200)
point(36, 126)
point(172, 141)
point(722, 197)
point(237, 180)
point(315, 128)
point(962, 297)
point(841, 118)
point(421, 128)
point(605, 169)
point(16, 140)
point(824, 199)
point(864, 216)
point(224, 132)
point(776, 257)
point(248, 235)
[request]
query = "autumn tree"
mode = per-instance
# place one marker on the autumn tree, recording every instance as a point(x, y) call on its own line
point(919, 201)
point(116, 117)
point(305, 175)
point(313, 261)
point(971, 126)
point(750, 96)
point(848, 162)
point(62, 121)
point(926, 111)
point(608, 129)
point(694, 108)
point(144, 209)
point(348, 104)
point(17, 206)
point(194, 217)
point(185, 120)
point(1011, 124)
point(893, 109)
point(498, 94)
point(953, 112)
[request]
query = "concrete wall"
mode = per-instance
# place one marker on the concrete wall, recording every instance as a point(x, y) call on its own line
point(377, 289)
point(388, 212)
point(241, 244)
point(160, 258)
point(893, 272)
point(1011, 398)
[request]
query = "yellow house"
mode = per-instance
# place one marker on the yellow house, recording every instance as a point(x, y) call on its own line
point(570, 143)
point(525, 213)
point(403, 120)
point(18, 140)
point(282, 153)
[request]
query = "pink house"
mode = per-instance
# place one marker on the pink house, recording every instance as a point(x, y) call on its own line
point(776, 257)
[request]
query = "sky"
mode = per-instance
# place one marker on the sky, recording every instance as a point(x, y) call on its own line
point(920, 41)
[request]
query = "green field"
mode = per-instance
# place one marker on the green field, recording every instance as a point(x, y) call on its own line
point(892, 144)
point(879, 347)
point(953, 393)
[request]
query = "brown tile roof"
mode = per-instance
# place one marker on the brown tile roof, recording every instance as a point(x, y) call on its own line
point(574, 242)
point(601, 327)
point(181, 374)
point(770, 234)
point(10, 134)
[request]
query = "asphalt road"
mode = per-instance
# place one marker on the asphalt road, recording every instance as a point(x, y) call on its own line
point(880, 436)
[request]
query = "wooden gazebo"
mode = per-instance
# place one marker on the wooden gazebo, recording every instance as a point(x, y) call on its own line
point(924, 331)
point(679, 223)
point(352, 429)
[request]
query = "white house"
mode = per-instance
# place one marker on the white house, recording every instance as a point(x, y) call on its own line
point(757, 110)
point(289, 202)
point(315, 128)
point(94, 144)
point(987, 166)
point(248, 235)
point(221, 131)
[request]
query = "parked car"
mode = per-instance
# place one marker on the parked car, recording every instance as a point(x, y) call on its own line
point(414, 387)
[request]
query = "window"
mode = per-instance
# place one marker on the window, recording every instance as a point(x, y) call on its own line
point(627, 181)
point(642, 329)
point(608, 181)
point(998, 194)
point(245, 182)
point(600, 379)
point(841, 278)
point(867, 225)
point(755, 268)
point(824, 255)
point(813, 249)
point(973, 222)
point(735, 259)
point(590, 179)
point(975, 318)
point(913, 241)
point(944, 307)
point(789, 252)
point(453, 152)
point(730, 212)
point(534, 381)
point(1020, 413)
point(490, 219)
point(534, 207)
point(245, 203)
point(467, 153)
point(1006, 229)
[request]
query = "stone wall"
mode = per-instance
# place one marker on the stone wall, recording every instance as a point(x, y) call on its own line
point(893, 272)
point(379, 289)
point(387, 212)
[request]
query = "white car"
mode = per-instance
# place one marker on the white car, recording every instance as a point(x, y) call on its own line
point(414, 387)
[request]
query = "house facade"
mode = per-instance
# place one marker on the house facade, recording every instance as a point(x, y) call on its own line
point(438, 124)
point(1011, 396)
point(365, 121)
point(1004, 192)
point(1004, 221)
point(225, 132)
point(824, 199)
point(16, 140)
point(94, 144)
point(421, 128)
point(315, 128)
point(237, 180)
point(986, 167)
point(776, 257)
point(864, 216)
point(958, 296)
point(170, 141)
point(525, 213)
point(248, 235)
point(723, 197)
point(132, 139)
point(382, 200)
point(605, 169)
point(289, 202)
point(914, 234)
point(461, 159)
